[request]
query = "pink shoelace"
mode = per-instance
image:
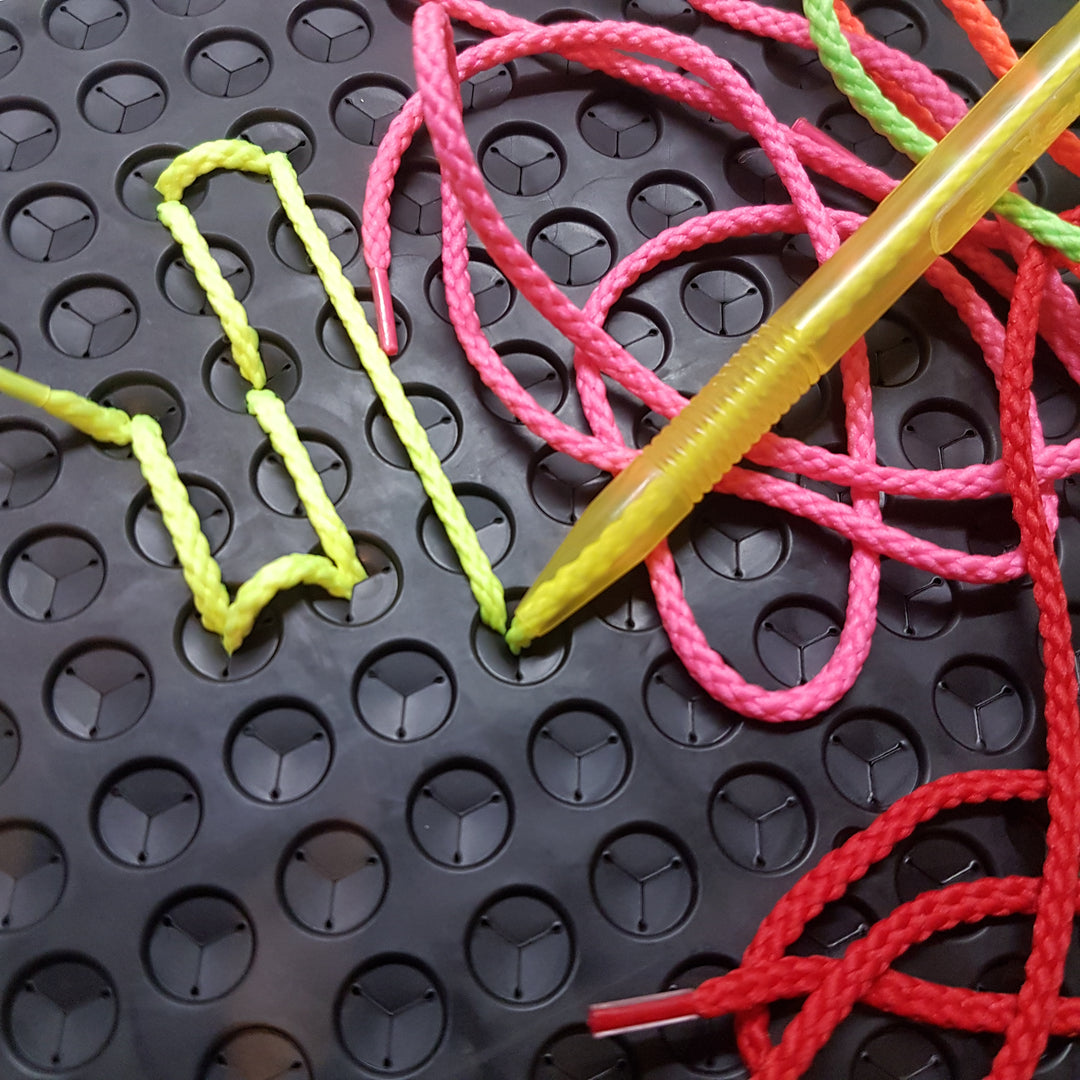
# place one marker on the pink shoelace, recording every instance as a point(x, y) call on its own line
point(1041, 303)
point(724, 93)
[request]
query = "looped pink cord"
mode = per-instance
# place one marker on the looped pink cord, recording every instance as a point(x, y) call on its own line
point(724, 94)
point(745, 107)
point(876, 57)
point(1039, 300)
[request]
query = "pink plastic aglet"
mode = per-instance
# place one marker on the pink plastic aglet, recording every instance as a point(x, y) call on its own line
point(641, 1013)
point(385, 327)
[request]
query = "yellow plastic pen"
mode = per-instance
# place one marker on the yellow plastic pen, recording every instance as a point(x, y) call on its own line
point(935, 205)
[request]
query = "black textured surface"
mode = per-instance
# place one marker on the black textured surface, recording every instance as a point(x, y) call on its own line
point(373, 843)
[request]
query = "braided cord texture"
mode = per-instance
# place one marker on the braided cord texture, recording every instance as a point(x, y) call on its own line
point(338, 569)
point(999, 252)
point(886, 119)
point(485, 586)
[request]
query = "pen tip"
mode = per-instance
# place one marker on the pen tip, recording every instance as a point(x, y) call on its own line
point(517, 637)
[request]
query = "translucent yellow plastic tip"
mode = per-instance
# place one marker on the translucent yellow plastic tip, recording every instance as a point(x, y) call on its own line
point(937, 203)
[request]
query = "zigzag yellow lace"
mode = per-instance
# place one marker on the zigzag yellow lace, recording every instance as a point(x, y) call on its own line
point(338, 570)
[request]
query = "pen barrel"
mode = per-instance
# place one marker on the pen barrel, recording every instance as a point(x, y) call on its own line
point(661, 486)
point(749, 394)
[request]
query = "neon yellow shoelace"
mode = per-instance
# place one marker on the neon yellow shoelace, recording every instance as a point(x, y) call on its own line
point(338, 569)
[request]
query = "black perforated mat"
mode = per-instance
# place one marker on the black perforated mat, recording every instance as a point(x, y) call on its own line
point(373, 843)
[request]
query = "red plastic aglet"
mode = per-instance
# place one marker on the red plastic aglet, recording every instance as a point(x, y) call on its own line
point(637, 1014)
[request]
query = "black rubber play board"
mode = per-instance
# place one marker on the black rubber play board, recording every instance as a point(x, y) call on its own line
point(372, 843)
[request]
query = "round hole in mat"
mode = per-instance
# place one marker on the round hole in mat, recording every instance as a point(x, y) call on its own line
point(228, 63)
point(643, 881)
point(180, 286)
point(708, 1047)
point(522, 159)
point(681, 710)
point(404, 692)
point(247, 1052)
point(579, 753)
point(460, 814)
point(141, 393)
point(391, 1015)
point(333, 879)
point(203, 650)
point(338, 224)
point(30, 462)
point(279, 751)
point(489, 516)
point(60, 985)
point(99, 689)
point(761, 820)
point(574, 1052)
point(123, 97)
point(50, 223)
point(84, 24)
point(199, 945)
point(28, 134)
point(619, 127)
point(53, 574)
point(363, 107)
point(147, 813)
point(521, 947)
point(330, 31)
point(90, 317)
point(274, 484)
point(35, 871)
point(10, 743)
point(371, 598)
point(228, 387)
point(11, 48)
point(873, 759)
point(662, 200)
